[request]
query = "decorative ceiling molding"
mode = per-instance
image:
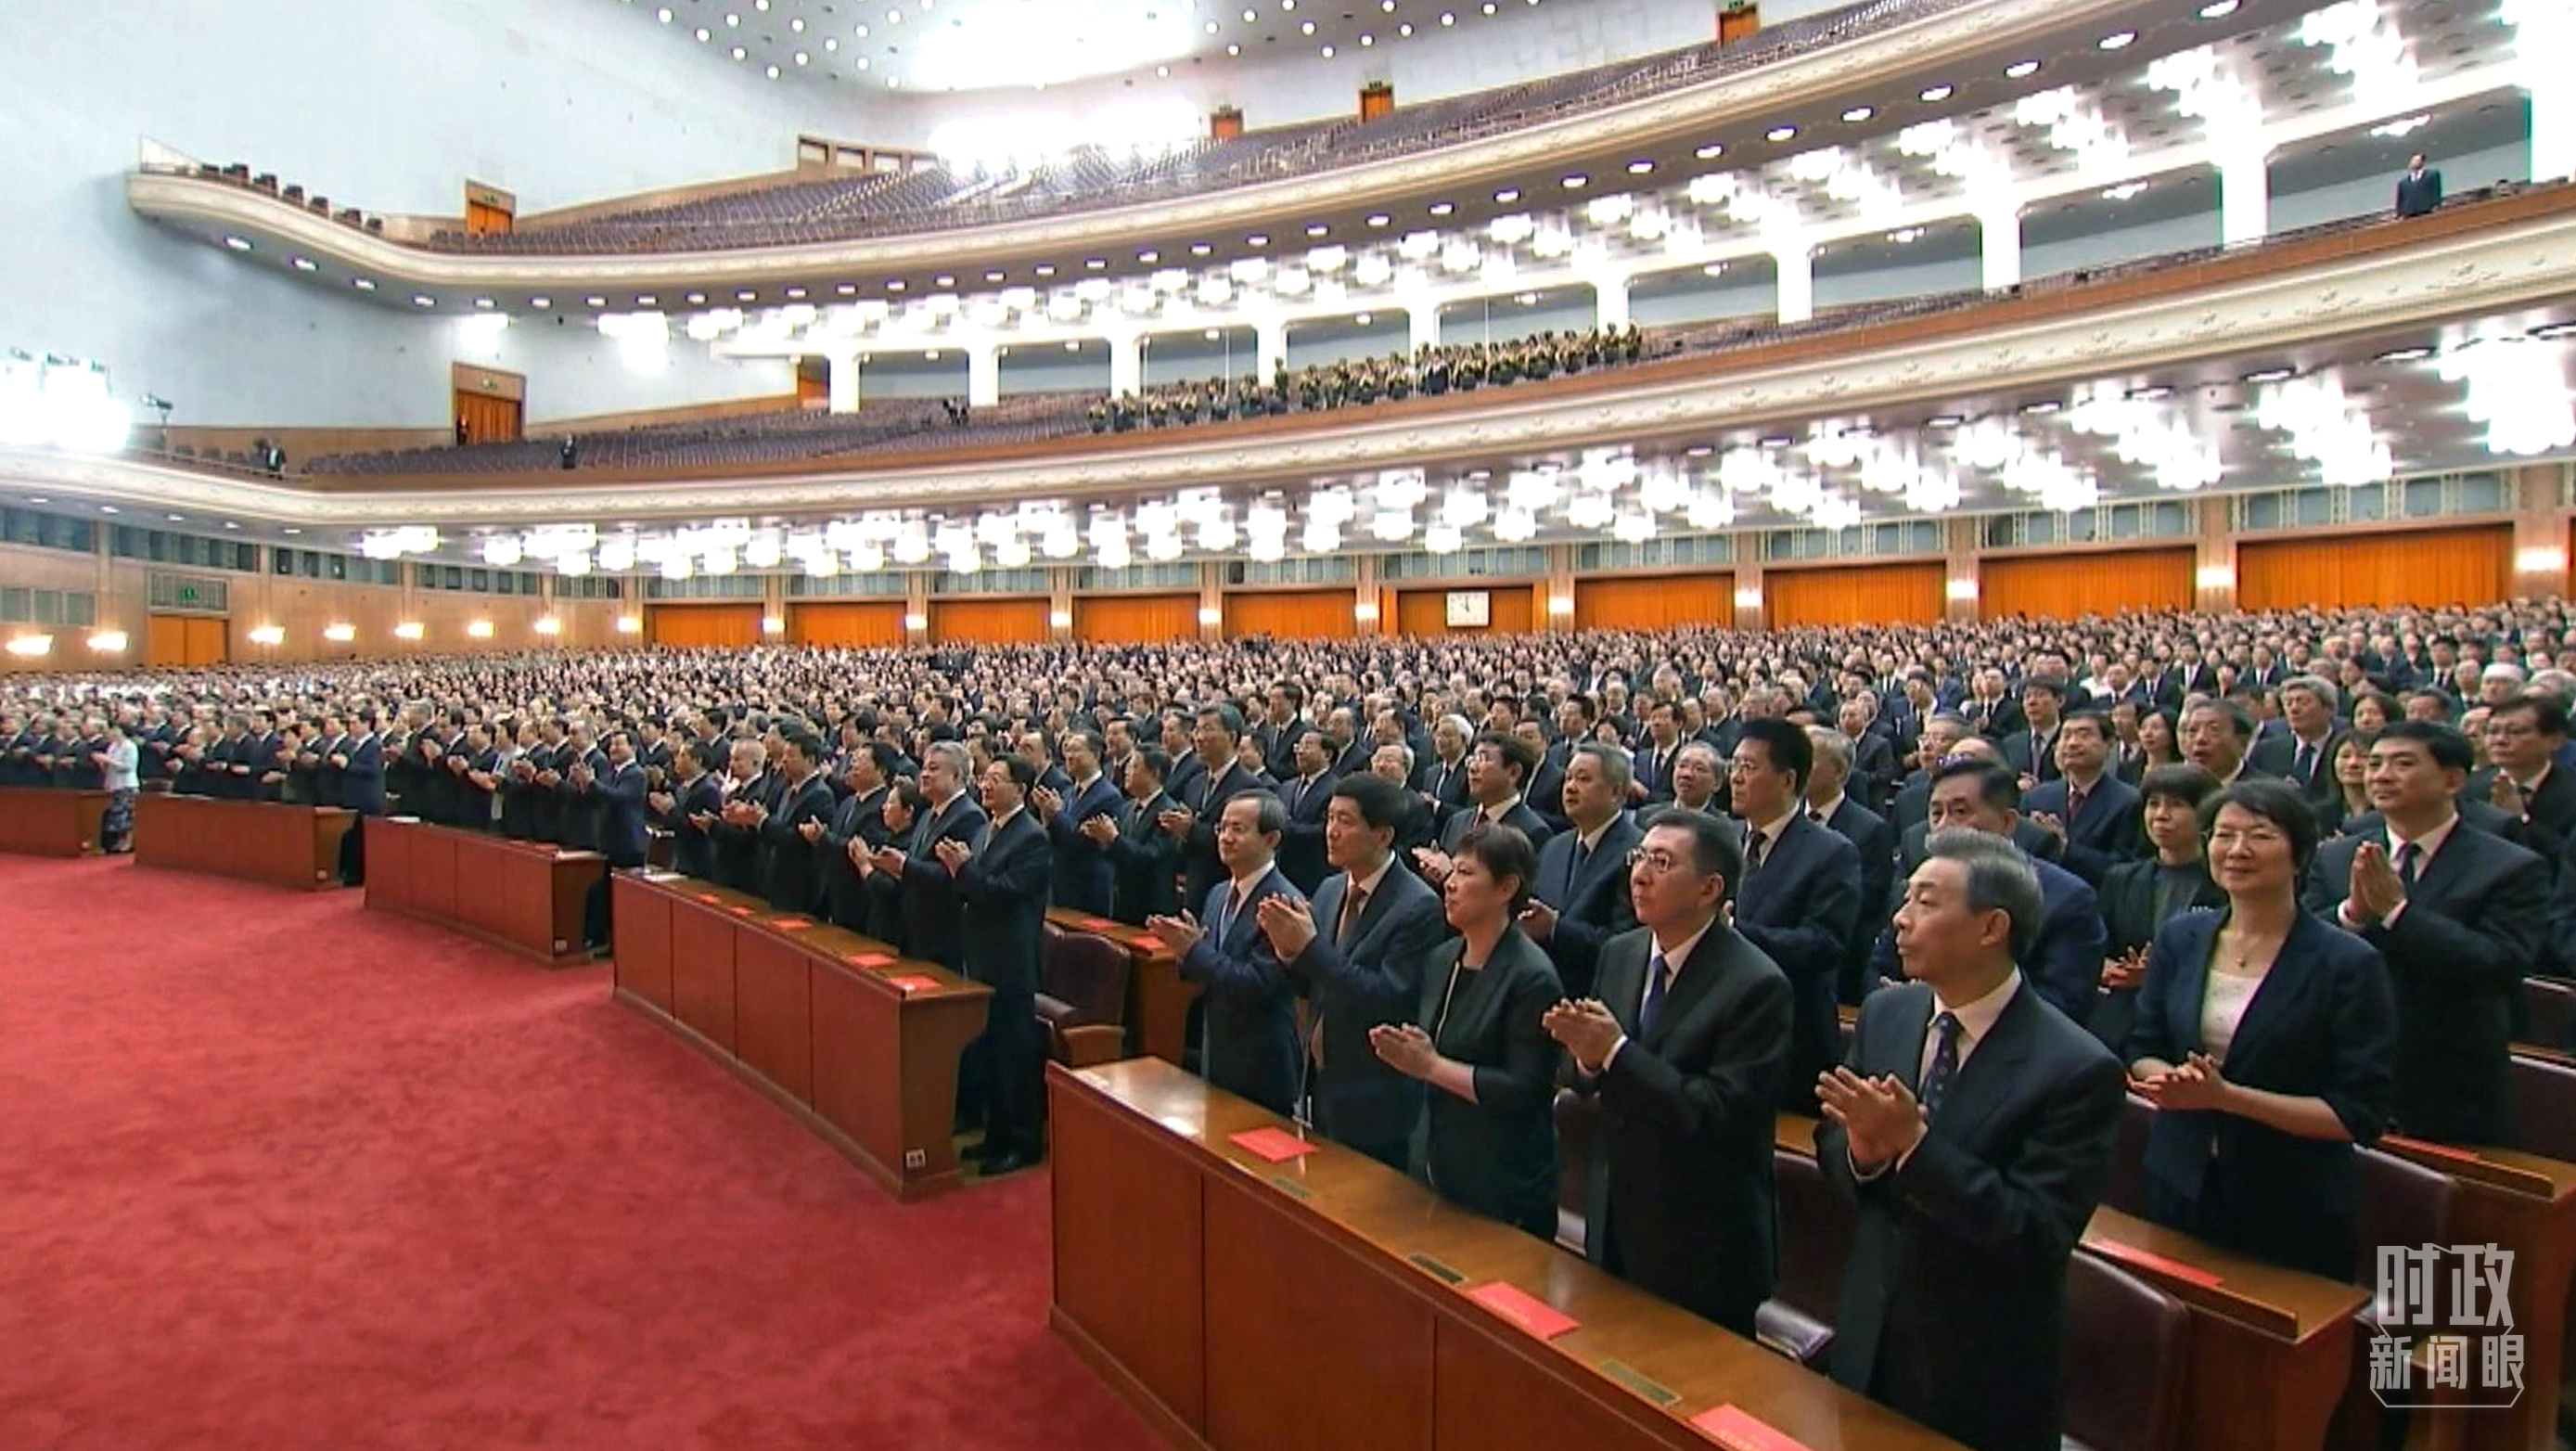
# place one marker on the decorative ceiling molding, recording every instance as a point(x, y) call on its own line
point(1946, 36)
point(2491, 270)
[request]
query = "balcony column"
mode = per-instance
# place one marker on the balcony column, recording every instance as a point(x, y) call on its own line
point(845, 372)
point(983, 374)
point(1126, 363)
point(1796, 264)
point(2244, 197)
point(2553, 132)
point(1610, 301)
point(1270, 343)
point(1999, 246)
point(1422, 320)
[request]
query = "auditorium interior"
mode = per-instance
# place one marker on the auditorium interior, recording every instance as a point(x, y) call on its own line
point(996, 723)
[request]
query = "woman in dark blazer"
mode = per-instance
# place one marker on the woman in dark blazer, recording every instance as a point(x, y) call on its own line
point(2138, 897)
point(2159, 744)
point(1489, 1134)
point(2265, 1039)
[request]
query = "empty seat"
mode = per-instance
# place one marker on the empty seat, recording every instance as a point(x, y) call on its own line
point(2127, 1189)
point(2549, 1008)
point(2541, 1108)
point(2402, 1204)
point(1815, 1241)
point(1578, 1123)
point(2128, 1340)
point(1082, 996)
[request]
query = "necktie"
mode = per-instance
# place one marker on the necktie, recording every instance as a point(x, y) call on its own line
point(1647, 1011)
point(2307, 765)
point(1816, 815)
point(1233, 907)
point(1581, 854)
point(2407, 858)
point(1945, 1063)
point(2074, 802)
point(1354, 902)
point(1754, 850)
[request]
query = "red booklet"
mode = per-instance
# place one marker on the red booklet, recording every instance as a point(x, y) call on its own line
point(1527, 1311)
point(791, 924)
point(913, 982)
point(1737, 1431)
point(1276, 1145)
point(868, 959)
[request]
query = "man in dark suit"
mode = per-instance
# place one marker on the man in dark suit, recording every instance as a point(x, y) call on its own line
point(1083, 876)
point(618, 795)
point(2456, 914)
point(927, 901)
point(579, 813)
point(1143, 858)
point(1442, 779)
point(1942, 732)
point(1830, 806)
point(2419, 191)
point(1652, 780)
point(1497, 769)
point(2092, 813)
point(1278, 735)
point(1218, 732)
point(1872, 777)
point(1801, 891)
point(1000, 877)
point(361, 765)
point(1251, 1047)
point(1393, 761)
point(2303, 751)
point(2524, 736)
point(791, 871)
point(857, 828)
point(696, 789)
point(1581, 897)
point(1685, 1048)
point(1306, 792)
point(2032, 750)
point(737, 846)
point(1973, 1126)
point(2218, 737)
point(1356, 955)
point(1546, 793)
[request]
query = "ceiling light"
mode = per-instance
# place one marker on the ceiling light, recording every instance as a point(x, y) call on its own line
point(1781, 133)
point(2152, 393)
point(2042, 408)
point(1943, 420)
point(1316, 229)
point(1379, 219)
point(2218, 9)
point(1576, 182)
point(306, 264)
point(1936, 94)
point(1640, 167)
point(1711, 151)
point(1508, 195)
point(2117, 40)
point(1442, 209)
point(2407, 355)
point(2021, 68)
point(2123, 191)
point(541, 303)
point(238, 244)
point(1257, 239)
point(424, 300)
point(2269, 375)
point(363, 284)
point(1859, 114)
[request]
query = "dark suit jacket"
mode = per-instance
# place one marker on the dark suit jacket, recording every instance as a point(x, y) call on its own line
point(2278, 755)
point(2030, 757)
point(2549, 817)
point(1001, 892)
point(692, 852)
point(2456, 957)
point(2323, 1024)
point(1447, 786)
point(1251, 1047)
point(1206, 798)
point(1546, 795)
point(1592, 906)
point(1875, 840)
point(1455, 829)
point(2108, 831)
point(1874, 770)
point(2418, 195)
point(1958, 1260)
point(619, 794)
point(1375, 977)
point(932, 913)
point(1680, 1197)
point(2065, 963)
point(1301, 845)
point(362, 781)
point(1912, 805)
point(1654, 774)
point(1146, 861)
point(1799, 909)
point(860, 818)
point(1084, 879)
point(791, 873)
point(1496, 1156)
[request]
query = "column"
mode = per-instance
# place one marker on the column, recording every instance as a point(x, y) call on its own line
point(2539, 532)
point(916, 604)
point(1959, 570)
point(1797, 268)
point(1610, 301)
point(2244, 197)
point(1748, 580)
point(845, 372)
point(1126, 363)
point(1270, 341)
point(983, 375)
point(1211, 600)
point(1556, 594)
point(1060, 604)
point(2214, 557)
point(1423, 319)
point(2553, 132)
point(1999, 236)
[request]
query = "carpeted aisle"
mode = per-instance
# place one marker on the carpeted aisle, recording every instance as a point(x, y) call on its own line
point(279, 1173)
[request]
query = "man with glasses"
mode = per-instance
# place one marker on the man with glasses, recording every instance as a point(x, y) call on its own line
point(1686, 1050)
point(1581, 899)
point(1800, 894)
point(2522, 779)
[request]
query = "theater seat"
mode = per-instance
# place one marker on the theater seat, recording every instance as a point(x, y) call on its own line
point(2541, 1109)
point(1082, 993)
point(2127, 1189)
point(2549, 1012)
point(1815, 1240)
point(2402, 1203)
point(2125, 1341)
point(1578, 1123)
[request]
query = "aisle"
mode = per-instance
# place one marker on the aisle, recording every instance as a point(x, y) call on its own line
point(276, 1172)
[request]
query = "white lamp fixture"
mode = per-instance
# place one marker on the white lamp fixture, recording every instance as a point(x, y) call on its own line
point(548, 625)
point(1961, 589)
point(2215, 576)
point(340, 634)
point(1060, 619)
point(474, 630)
point(630, 625)
point(916, 622)
point(108, 642)
point(773, 625)
point(1211, 615)
point(409, 630)
point(30, 647)
point(268, 635)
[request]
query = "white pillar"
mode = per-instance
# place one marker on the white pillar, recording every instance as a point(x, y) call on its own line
point(1999, 247)
point(1126, 364)
point(1270, 344)
point(983, 375)
point(1423, 318)
point(2244, 198)
point(1609, 302)
point(844, 371)
point(1796, 265)
point(2553, 133)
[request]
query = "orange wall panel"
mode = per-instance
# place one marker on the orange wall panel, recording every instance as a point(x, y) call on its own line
point(1868, 594)
point(989, 622)
point(1128, 619)
point(855, 623)
point(2414, 567)
point(2103, 583)
point(1658, 602)
point(691, 626)
point(1288, 614)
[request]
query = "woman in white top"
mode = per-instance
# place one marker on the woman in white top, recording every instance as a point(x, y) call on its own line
point(2264, 1037)
point(116, 828)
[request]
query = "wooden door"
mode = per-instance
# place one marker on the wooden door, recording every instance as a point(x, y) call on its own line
point(487, 419)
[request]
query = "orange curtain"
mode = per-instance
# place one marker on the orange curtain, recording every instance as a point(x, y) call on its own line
point(1288, 615)
point(1872, 594)
point(2418, 567)
point(874, 622)
point(487, 419)
point(728, 625)
point(1631, 602)
point(2060, 586)
point(989, 622)
point(1124, 619)
point(1511, 608)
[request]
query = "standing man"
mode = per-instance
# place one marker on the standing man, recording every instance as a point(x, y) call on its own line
point(1580, 900)
point(1000, 883)
point(696, 791)
point(1251, 1048)
point(857, 828)
point(1217, 735)
point(2093, 814)
point(933, 923)
point(1801, 892)
point(1307, 793)
point(2304, 753)
point(792, 877)
point(1083, 877)
point(2032, 750)
point(1356, 954)
point(1685, 1048)
point(361, 765)
point(1830, 806)
point(1143, 858)
point(1973, 1127)
point(2419, 191)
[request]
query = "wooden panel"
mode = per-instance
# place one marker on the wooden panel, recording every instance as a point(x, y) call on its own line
point(702, 971)
point(43, 821)
point(297, 847)
point(1873, 594)
point(1128, 1240)
point(1654, 602)
point(989, 622)
point(1303, 614)
point(2413, 567)
point(1121, 619)
point(643, 965)
point(858, 624)
point(209, 640)
point(487, 419)
point(165, 640)
point(773, 1027)
point(729, 626)
point(2062, 586)
point(1512, 608)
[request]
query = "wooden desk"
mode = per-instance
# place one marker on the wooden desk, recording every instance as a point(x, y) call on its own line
point(1158, 1001)
point(870, 1067)
point(524, 896)
point(44, 821)
point(2527, 1204)
point(2271, 1348)
point(260, 841)
point(1318, 1303)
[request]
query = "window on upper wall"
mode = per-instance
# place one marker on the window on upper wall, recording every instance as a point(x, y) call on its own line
point(47, 531)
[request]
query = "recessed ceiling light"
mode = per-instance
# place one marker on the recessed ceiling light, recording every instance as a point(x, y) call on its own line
point(847, 289)
point(483, 302)
point(1316, 229)
point(1072, 345)
point(1781, 133)
point(2406, 355)
point(795, 294)
point(1936, 94)
point(2151, 393)
point(1046, 269)
point(595, 301)
point(1379, 219)
point(995, 276)
point(696, 298)
point(1442, 209)
point(895, 284)
point(2269, 375)
point(1149, 256)
point(1777, 440)
point(178, 518)
point(1508, 195)
point(363, 284)
point(944, 280)
point(2042, 408)
point(2020, 68)
point(238, 244)
point(230, 524)
point(1234, 50)
point(307, 264)
point(1640, 167)
point(746, 295)
point(541, 303)
point(1257, 239)
point(1943, 420)
point(2123, 191)
point(424, 300)
point(291, 529)
point(1711, 151)
point(1200, 249)
point(1859, 114)
point(2117, 40)
point(107, 508)
point(1328, 50)
point(1713, 269)
point(1576, 182)
point(2218, 9)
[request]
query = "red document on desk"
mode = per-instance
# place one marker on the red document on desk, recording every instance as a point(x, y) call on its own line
point(913, 982)
point(1527, 1311)
point(2156, 1263)
point(1738, 1431)
point(1093, 924)
point(1276, 1145)
point(868, 959)
point(791, 924)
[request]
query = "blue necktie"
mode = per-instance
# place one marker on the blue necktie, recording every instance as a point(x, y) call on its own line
point(1945, 1063)
point(1653, 1006)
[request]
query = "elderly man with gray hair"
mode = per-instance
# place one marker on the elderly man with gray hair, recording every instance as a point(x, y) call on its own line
point(2303, 753)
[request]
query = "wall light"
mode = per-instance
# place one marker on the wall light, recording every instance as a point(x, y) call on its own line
point(2215, 576)
point(1560, 604)
point(2539, 559)
point(630, 625)
point(1060, 619)
point(409, 630)
point(268, 635)
point(475, 629)
point(1749, 597)
point(773, 625)
point(1365, 611)
point(29, 647)
point(340, 634)
point(1211, 615)
point(916, 622)
point(108, 642)
point(1960, 590)
point(549, 625)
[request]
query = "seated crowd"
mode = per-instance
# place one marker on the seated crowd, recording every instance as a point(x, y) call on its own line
point(1431, 371)
point(2282, 875)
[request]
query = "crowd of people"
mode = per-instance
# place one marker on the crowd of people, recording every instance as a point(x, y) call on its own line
point(1432, 371)
point(2283, 874)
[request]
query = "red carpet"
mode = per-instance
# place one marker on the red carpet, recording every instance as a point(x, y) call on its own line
point(276, 1172)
